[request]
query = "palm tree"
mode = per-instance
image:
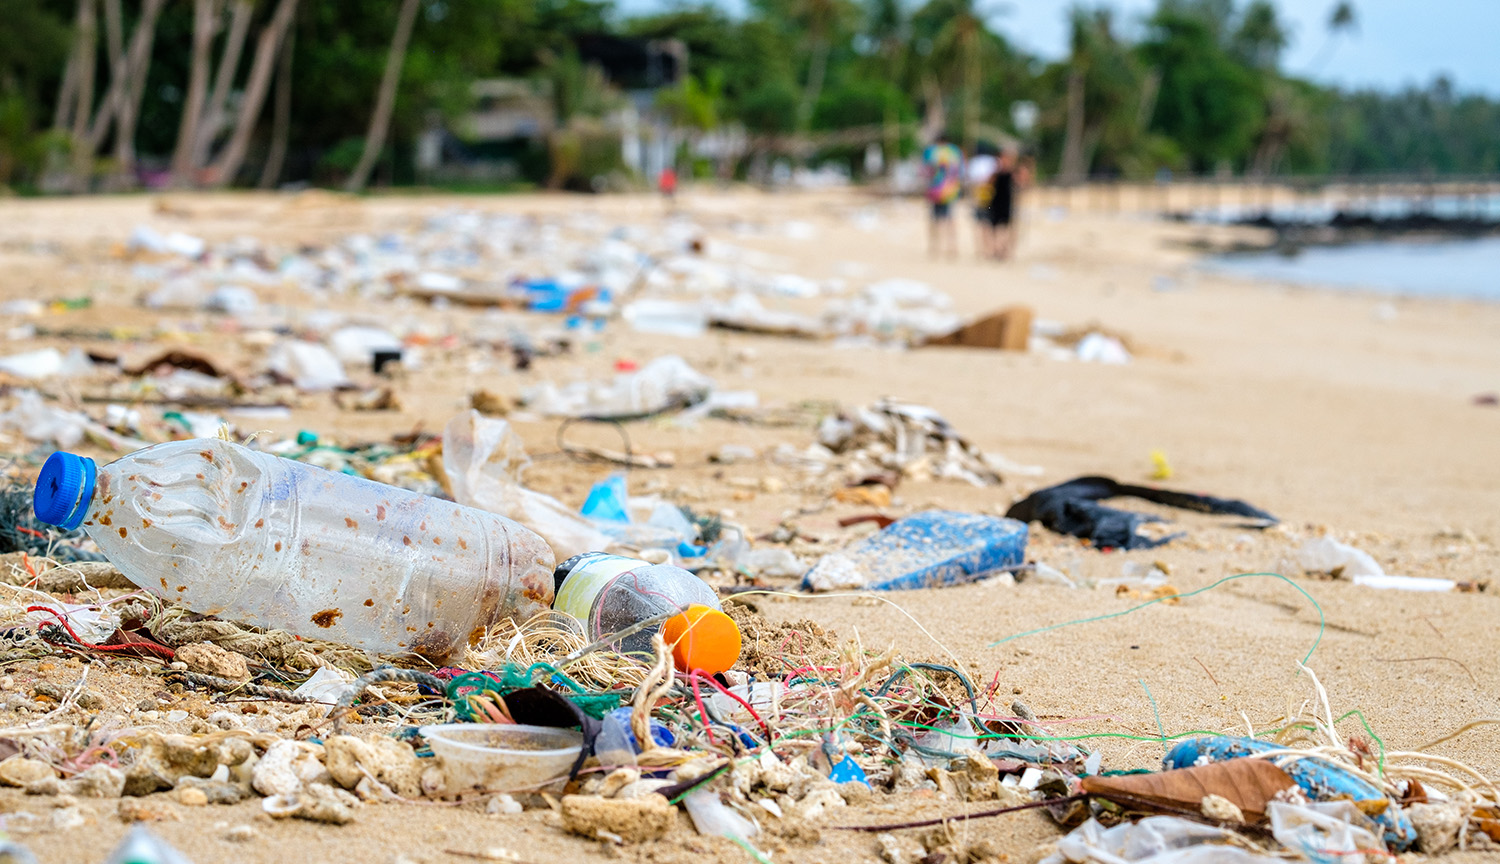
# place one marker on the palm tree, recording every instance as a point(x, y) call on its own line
point(1342, 19)
point(957, 50)
point(889, 28)
point(819, 19)
point(385, 102)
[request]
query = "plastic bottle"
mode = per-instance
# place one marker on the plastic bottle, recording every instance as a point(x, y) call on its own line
point(280, 544)
point(609, 593)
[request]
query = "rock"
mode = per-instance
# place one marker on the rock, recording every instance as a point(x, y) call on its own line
point(1221, 809)
point(161, 760)
point(1437, 825)
point(315, 802)
point(146, 810)
point(855, 793)
point(616, 780)
point(816, 803)
point(643, 787)
point(67, 818)
point(287, 766)
point(503, 805)
point(210, 659)
point(90, 700)
point(214, 791)
point(392, 763)
point(632, 820)
point(240, 834)
point(894, 851)
point(47, 786)
point(99, 781)
point(188, 796)
point(20, 771)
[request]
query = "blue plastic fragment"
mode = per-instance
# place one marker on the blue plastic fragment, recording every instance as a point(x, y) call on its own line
point(936, 549)
point(848, 771)
point(607, 499)
point(1319, 779)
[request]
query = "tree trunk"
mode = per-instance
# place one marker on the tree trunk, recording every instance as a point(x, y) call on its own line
point(126, 82)
point(817, 68)
point(971, 90)
point(281, 117)
point(1150, 88)
point(385, 103)
point(224, 169)
point(1072, 169)
point(204, 14)
point(138, 59)
point(935, 118)
point(212, 121)
point(86, 44)
point(67, 94)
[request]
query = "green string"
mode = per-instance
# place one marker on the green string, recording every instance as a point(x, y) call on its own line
point(1322, 621)
point(1157, 714)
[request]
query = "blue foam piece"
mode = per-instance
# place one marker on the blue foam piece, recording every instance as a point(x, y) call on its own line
point(938, 548)
point(1319, 779)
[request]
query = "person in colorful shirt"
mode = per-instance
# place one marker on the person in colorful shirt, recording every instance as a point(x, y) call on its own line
point(945, 166)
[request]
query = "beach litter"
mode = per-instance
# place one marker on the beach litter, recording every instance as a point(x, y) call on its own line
point(1073, 508)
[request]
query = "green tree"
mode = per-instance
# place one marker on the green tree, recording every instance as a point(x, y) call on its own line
point(1207, 103)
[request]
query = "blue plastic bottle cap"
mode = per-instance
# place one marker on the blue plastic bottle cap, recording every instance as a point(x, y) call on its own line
point(64, 489)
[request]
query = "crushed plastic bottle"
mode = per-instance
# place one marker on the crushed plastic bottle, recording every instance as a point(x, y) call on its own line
point(140, 846)
point(610, 593)
point(226, 530)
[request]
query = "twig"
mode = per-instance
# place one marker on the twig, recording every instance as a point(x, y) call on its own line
point(943, 820)
point(1482, 721)
point(1419, 659)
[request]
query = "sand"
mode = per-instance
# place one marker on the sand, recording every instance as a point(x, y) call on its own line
point(1339, 412)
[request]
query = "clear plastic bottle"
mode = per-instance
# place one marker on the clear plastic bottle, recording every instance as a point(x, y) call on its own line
point(225, 530)
point(609, 593)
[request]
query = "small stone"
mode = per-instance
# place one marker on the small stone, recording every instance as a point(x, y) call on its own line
point(632, 820)
point(1221, 809)
point(99, 781)
point(20, 771)
point(67, 818)
point(210, 659)
point(503, 805)
point(188, 796)
point(1437, 825)
point(176, 716)
point(240, 834)
point(146, 810)
point(855, 793)
point(90, 700)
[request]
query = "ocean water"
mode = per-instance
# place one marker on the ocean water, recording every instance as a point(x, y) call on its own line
point(1468, 269)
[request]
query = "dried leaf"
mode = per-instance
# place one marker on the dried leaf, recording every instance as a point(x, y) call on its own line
point(1247, 783)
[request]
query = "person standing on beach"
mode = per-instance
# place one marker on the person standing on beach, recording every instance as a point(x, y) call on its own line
point(1005, 186)
point(979, 174)
point(944, 184)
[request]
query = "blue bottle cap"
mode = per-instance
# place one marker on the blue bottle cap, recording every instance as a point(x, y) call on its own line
point(64, 489)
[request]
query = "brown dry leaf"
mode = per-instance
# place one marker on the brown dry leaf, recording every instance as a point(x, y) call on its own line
point(1247, 783)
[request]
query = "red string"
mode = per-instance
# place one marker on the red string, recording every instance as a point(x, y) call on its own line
point(722, 689)
point(708, 725)
point(159, 650)
point(32, 531)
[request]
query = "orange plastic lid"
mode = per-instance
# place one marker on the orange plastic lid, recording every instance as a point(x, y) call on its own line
point(702, 639)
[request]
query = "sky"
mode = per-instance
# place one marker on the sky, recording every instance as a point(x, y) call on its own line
point(1398, 42)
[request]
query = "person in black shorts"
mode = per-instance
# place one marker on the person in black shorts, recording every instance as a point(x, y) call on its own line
point(1002, 205)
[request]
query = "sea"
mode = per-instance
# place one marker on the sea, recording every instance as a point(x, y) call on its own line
point(1464, 268)
point(1454, 268)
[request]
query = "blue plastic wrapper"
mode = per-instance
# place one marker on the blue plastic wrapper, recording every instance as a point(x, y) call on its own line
point(936, 549)
point(1320, 780)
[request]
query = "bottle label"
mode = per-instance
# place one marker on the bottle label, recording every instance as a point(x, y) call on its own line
point(588, 579)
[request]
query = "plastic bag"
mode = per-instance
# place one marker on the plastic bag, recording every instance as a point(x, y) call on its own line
point(1325, 832)
point(484, 458)
point(661, 385)
point(1153, 840)
point(1325, 555)
point(308, 365)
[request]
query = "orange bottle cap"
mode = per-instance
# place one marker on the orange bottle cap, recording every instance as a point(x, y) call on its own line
point(702, 638)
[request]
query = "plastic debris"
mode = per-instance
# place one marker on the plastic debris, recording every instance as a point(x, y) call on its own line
point(928, 550)
point(344, 540)
point(1072, 508)
point(484, 460)
point(665, 384)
